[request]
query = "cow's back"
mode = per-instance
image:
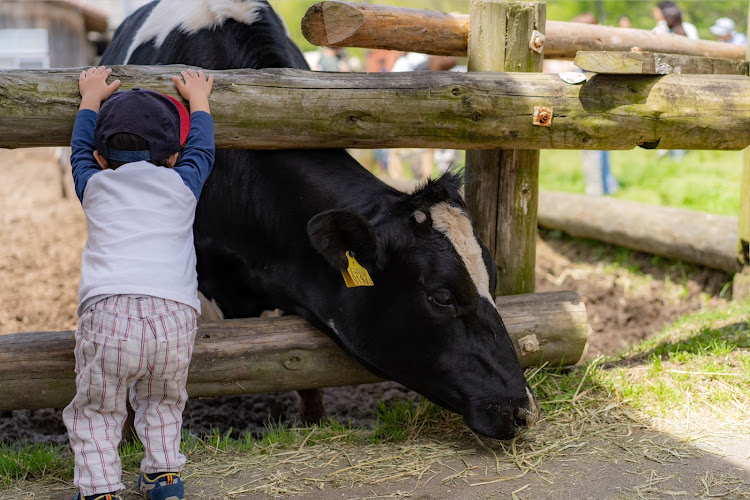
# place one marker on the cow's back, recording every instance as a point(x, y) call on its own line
point(118, 49)
point(150, 37)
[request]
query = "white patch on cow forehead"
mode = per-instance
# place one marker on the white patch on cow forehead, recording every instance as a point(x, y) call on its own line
point(190, 16)
point(456, 226)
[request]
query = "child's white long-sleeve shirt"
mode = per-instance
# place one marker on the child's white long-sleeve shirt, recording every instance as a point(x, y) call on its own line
point(140, 218)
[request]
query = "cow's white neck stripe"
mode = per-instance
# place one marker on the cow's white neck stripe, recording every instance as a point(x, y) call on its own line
point(456, 226)
point(190, 16)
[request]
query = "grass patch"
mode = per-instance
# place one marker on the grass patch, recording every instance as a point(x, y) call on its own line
point(405, 420)
point(706, 181)
point(714, 331)
point(694, 375)
point(30, 462)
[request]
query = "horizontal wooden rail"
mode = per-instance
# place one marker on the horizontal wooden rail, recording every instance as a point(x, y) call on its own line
point(277, 354)
point(286, 108)
point(697, 237)
point(653, 63)
point(343, 24)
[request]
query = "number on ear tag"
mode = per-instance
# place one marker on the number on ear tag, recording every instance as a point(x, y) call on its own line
point(356, 275)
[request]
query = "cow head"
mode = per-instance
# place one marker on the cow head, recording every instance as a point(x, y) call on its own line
point(429, 319)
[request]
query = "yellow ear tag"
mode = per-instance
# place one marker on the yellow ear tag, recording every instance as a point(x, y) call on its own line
point(356, 275)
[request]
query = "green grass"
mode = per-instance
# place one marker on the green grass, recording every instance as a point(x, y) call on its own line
point(408, 419)
point(29, 462)
point(713, 332)
point(698, 366)
point(708, 181)
point(395, 423)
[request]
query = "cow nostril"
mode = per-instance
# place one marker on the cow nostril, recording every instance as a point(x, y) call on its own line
point(524, 417)
point(527, 415)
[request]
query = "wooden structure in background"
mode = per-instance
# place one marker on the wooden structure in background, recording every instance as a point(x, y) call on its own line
point(655, 63)
point(697, 237)
point(50, 34)
point(263, 355)
point(344, 24)
point(66, 22)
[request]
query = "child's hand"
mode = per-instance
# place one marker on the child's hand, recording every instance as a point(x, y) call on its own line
point(93, 87)
point(195, 89)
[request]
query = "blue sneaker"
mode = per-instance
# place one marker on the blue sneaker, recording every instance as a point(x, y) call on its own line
point(162, 486)
point(98, 496)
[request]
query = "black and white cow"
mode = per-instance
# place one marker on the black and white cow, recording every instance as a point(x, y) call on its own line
point(272, 229)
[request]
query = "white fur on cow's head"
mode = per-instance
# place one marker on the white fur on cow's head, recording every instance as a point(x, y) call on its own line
point(190, 16)
point(456, 226)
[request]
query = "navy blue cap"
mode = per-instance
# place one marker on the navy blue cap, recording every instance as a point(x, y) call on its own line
point(158, 119)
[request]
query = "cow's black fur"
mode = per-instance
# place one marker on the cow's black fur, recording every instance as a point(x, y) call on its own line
point(271, 229)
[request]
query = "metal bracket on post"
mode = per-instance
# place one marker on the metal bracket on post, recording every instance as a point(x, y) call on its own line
point(536, 44)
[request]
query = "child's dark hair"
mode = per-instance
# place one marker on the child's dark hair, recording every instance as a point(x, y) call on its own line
point(129, 142)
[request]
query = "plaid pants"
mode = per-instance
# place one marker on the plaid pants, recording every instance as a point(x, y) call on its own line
point(144, 343)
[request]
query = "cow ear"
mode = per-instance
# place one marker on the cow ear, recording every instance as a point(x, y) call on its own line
point(335, 232)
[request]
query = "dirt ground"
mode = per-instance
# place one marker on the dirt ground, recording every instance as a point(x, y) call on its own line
point(42, 237)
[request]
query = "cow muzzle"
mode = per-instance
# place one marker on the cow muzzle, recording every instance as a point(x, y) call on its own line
point(505, 418)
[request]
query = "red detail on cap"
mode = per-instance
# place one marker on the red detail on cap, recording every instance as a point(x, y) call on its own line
point(184, 119)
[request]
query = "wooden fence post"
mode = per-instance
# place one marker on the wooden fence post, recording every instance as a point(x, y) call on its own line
point(503, 185)
point(741, 287)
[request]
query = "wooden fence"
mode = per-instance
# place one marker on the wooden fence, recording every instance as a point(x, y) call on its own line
point(343, 24)
point(276, 354)
point(499, 35)
point(482, 111)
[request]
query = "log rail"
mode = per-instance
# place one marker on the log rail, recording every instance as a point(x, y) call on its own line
point(260, 109)
point(344, 24)
point(705, 239)
point(276, 354)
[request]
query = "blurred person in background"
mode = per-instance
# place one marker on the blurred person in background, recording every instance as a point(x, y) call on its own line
point(668, 17)
point(335, 59)
point(596, 166)
point(421, 160)
point(381, 61)
point(723, 30)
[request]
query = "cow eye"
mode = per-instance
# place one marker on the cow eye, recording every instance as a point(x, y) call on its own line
point(441, 297)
